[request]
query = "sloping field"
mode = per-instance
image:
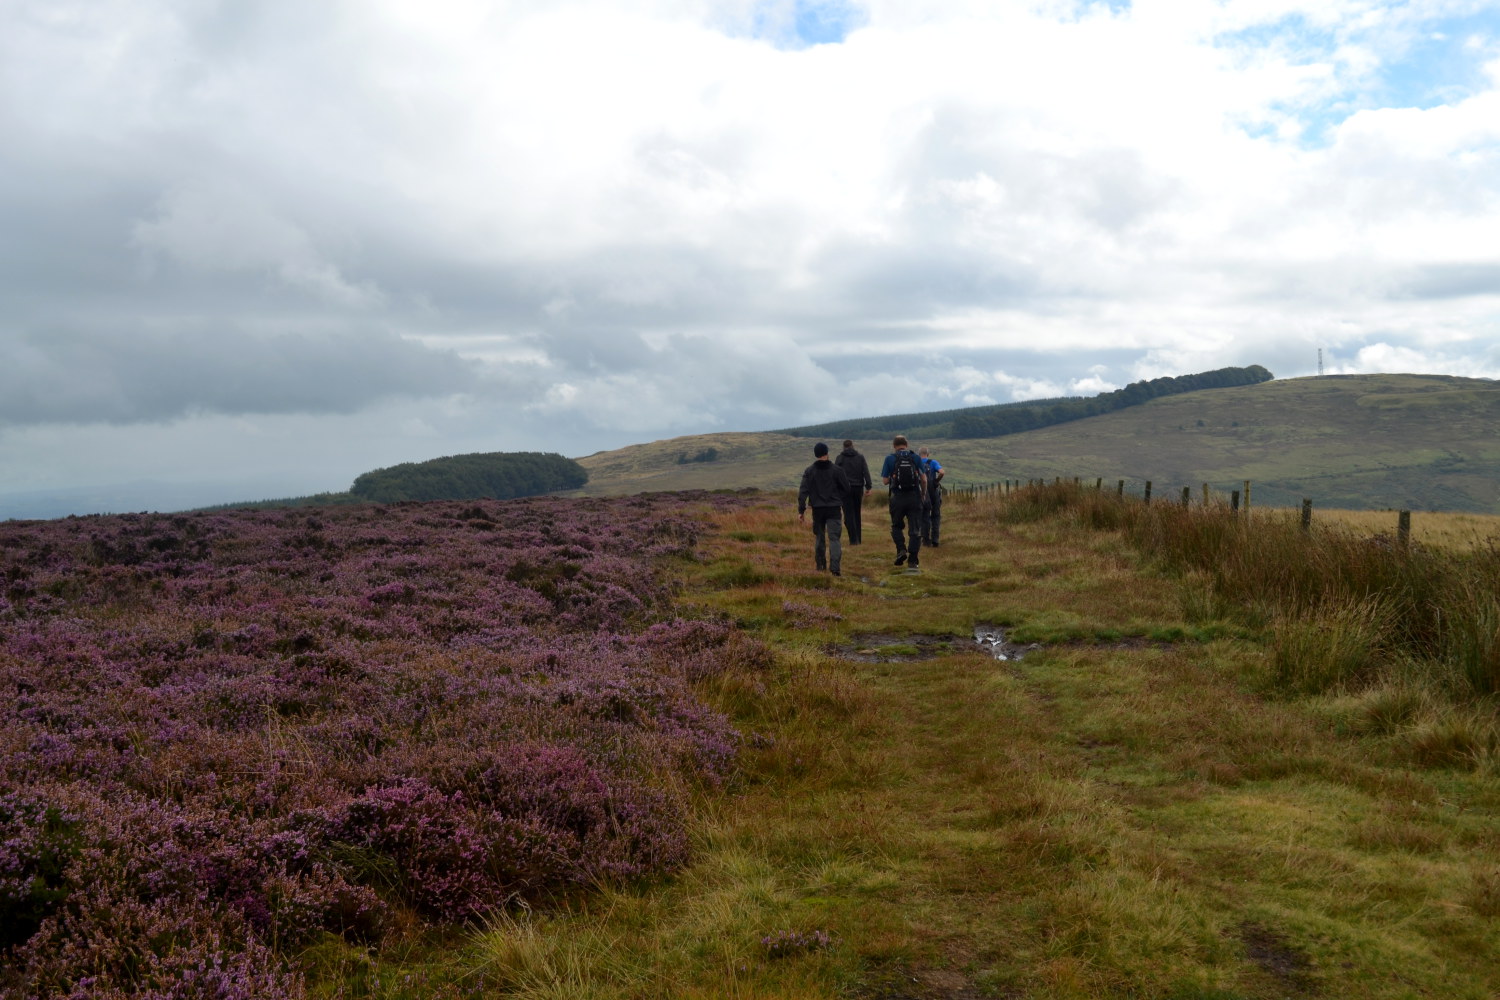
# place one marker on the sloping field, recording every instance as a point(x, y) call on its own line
point(1424, 442)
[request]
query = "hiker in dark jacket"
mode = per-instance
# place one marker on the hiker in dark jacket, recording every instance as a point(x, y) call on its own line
point(824, 488)
point(860, 484)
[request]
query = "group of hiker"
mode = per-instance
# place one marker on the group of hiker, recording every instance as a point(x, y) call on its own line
point(835, 490)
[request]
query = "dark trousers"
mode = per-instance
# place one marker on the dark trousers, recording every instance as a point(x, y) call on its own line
point(906, 517)
point(932, 517)
point(853, 507)
point(826, 522)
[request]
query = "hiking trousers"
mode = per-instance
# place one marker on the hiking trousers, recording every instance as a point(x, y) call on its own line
point(853, 506)
point(933, 516)
point(906, 523)
point(826, 522)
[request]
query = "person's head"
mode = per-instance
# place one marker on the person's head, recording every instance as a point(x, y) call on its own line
point(922, 451)
point(848, 444)
point(898, 442)
point(820, 450)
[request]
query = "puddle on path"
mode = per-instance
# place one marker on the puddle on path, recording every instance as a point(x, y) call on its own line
point(895, 647)
point(992, 638)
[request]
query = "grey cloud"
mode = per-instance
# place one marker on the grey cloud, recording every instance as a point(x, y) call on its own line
point(1450, 281)
point(70, 377)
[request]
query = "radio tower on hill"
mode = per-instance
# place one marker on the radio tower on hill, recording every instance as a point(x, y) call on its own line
point(1320, 362)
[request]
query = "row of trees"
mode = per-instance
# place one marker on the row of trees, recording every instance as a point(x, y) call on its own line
point(501, 475)
point(1012, 418)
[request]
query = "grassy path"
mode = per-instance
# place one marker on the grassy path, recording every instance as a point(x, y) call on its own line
point(1119, 813)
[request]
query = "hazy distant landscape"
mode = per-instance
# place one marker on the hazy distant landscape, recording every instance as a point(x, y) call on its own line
point(1424, 442)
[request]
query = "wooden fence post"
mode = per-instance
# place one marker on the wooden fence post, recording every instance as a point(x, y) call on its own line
point(1187, 495)
point(1247, 496)
point(1403, 528)
point(1148, 491)
point(1234, 501)
point(1099, 484)
point(1205, 494)
point(1120, 489)
point(1306, 514)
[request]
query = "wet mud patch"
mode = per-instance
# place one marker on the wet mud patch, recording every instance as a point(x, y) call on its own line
point(1274, 954)
point(902, 647)
point(895, 647)
point(898, 647)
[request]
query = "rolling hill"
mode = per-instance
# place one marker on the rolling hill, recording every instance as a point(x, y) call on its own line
point(1424, 442)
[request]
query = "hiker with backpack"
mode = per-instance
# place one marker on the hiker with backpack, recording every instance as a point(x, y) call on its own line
point(857, 470)
point(903, 473)
point(932, 513)
point(824, 489)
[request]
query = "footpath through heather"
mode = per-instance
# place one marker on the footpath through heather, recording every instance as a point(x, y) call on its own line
point(1122, 811)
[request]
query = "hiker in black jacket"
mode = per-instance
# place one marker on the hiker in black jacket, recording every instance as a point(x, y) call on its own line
point(857, 470)
point(824, 488)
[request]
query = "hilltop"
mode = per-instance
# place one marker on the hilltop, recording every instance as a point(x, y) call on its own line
point(1425, 442)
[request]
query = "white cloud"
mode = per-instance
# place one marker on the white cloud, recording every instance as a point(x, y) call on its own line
point(646, 217)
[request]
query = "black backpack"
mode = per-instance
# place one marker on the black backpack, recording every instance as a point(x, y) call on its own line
point(906, 474)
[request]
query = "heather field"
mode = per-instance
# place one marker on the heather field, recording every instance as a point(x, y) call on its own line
point(636, 748)
point(233, 742)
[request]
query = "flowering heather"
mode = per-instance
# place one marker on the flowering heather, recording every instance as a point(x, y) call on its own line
point(224, 735)
point(786, 943)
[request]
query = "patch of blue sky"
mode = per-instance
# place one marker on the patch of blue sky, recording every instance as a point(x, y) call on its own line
point(1441, 61)
point(1442, 65)
point(827, 23)
point(802, 24)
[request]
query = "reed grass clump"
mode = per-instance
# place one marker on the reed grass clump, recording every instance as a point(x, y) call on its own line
point(1347, 609)
point(1341, 645)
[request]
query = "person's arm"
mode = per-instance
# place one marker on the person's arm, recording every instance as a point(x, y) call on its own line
point(802, 494)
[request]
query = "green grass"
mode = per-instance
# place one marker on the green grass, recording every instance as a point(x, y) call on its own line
point(1147, 805)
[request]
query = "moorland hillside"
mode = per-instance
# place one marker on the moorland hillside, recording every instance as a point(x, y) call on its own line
point(1425, 442)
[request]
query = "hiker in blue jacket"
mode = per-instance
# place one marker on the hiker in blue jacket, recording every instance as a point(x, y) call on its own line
point(932, 513)
point(902, 472)
point(824, 489)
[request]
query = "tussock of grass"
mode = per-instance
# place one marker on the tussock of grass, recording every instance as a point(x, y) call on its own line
point(1341, 645)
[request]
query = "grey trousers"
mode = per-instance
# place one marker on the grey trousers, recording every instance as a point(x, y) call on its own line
point(826, 521)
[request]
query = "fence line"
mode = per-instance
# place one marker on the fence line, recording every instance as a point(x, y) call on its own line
point(1239, 500)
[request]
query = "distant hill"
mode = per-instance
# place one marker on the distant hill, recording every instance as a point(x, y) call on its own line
point(1424, 442)
point(500, 475)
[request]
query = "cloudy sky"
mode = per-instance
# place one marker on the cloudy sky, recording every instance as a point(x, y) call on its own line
point(269, 245)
